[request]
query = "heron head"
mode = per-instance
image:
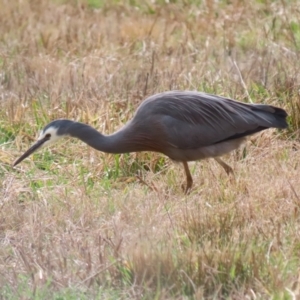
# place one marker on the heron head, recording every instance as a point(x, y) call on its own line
point(47, 136)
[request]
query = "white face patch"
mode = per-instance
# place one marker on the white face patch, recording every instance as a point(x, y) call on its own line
point(52, 131)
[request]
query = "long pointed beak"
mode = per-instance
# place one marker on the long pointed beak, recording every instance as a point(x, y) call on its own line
point(32, 149)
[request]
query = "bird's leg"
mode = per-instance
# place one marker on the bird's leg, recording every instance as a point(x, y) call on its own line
point(226, 167)
point(189, 179)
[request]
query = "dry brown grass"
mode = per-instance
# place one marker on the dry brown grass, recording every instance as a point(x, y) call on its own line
point(76, 223)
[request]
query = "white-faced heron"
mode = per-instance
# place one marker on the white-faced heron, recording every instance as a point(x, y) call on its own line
point(183, 125)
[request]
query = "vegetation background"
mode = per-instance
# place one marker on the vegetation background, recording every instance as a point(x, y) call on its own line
point(80, 224)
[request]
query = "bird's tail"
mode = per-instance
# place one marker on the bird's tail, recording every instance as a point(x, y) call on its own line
point(273, 116)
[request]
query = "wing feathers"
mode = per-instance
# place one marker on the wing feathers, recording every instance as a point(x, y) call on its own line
point(194, 119)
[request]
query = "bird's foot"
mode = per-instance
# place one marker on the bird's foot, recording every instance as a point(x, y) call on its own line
point(228, 170)
point(186, 189)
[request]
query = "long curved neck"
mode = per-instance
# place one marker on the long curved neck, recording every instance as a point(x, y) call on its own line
point(120, 142)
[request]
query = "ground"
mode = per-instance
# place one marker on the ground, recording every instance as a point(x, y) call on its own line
point(81, 224)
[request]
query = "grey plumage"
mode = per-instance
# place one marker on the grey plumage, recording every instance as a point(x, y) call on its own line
point(184, 125)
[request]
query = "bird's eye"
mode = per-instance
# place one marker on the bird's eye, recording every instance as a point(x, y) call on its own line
point(48, 136)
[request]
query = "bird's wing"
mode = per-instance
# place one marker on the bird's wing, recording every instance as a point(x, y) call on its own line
point(192, 119)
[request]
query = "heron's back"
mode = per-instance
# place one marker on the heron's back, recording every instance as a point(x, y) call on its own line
point(191, 122)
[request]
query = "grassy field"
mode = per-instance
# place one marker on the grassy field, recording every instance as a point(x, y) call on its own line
point(80, 224)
